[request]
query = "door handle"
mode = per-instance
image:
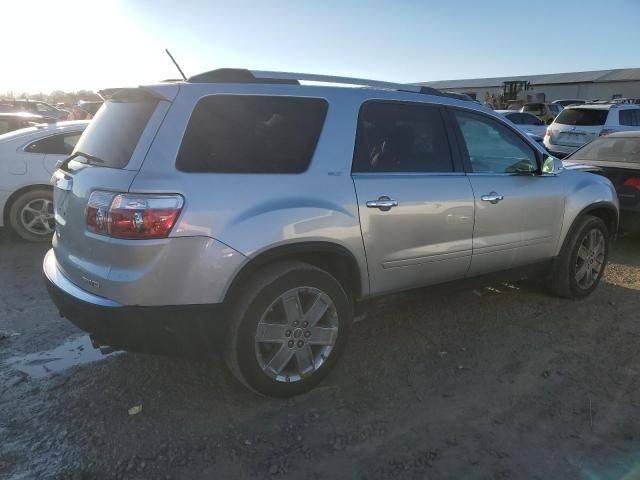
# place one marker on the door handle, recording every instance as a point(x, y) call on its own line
point(384, 203)
point(493, 198)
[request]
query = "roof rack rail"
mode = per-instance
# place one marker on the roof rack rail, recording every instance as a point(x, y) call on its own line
point(239, 75)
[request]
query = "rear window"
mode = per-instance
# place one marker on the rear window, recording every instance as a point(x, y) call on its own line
point(610, 149)
point(582, 116)
point(252, 134)
point(114, 132)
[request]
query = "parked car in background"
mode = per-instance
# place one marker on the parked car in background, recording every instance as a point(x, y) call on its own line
point(33, 106)
point(566, 102)
point(245, 212)
point(28, 158)
point(544, 111)
point(579, 124)
point(617, 155)
point(17, 120)
point(91, 107)
point(525, 121)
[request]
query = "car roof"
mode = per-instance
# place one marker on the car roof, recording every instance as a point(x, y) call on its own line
point(45, 130)
point(591, 106)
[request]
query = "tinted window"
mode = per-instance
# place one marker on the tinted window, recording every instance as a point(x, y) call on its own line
point(252, 134)
point(524, 119)
point(6, 126)
point(555, 109)
point(494, 148)
point(610, 149)
point(55, 145)
point(536, 108)
point(582, 116)
point(394, 137)
point(114, 132)
point(630, 118)
point(43, 108)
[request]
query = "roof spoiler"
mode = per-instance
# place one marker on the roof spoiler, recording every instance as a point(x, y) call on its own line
point(160, 91)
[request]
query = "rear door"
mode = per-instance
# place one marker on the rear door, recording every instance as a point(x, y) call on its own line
point(415, 203)
point(518, 212)
point(106, 158)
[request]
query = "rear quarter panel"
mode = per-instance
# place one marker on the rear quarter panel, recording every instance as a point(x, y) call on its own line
point(583, 190)
point(253, 213)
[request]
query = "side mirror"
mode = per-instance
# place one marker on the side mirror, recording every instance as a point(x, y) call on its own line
point(551, 165)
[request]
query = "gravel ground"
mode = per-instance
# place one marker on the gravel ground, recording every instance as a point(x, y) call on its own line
point(497, 383)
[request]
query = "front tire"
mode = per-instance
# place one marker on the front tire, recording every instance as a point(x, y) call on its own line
point(582, 261)
point(289, 326)
point(31, 215)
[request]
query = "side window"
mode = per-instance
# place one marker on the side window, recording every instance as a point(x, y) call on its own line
point(252, 134)
point(516, 118)
point(630, 118)
point(6, 126)
point(397, 137)
point(494, 148)
point(42, 108)
point(55, 145)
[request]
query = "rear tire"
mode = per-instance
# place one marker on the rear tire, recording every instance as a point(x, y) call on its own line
point(582, 260)
point(289, 326)
point(31, 215)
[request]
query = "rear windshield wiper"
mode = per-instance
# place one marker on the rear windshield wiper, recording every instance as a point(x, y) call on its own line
point(90, 159)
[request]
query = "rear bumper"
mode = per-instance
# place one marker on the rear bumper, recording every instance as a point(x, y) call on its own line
point(189, 330)
point(559, 151)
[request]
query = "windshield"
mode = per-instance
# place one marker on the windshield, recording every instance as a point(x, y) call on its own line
point(582, 116)
point(114, 132)
point(608, 149)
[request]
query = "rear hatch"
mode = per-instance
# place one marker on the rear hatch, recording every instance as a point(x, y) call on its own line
point(107, 158)
point(574, 127)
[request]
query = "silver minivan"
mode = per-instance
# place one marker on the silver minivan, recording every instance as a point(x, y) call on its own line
point(248, 213)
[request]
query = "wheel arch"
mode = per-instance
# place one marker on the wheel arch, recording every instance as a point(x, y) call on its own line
point(15, 195)
point(333, 258)
point(606, 211)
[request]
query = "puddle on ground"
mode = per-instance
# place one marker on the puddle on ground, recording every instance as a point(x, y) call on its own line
point(75, 351)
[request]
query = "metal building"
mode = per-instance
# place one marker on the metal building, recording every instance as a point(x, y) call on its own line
point(594, 85)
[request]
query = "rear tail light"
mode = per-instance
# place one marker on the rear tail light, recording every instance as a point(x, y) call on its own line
point(633, 182)
point(132, 216)
point(606, 131)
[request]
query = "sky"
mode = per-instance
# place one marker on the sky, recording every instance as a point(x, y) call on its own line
point(93, 44)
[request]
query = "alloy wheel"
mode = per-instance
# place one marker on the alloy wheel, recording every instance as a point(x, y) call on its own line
point(37, 217)
point(296, 334)
point(590, 259)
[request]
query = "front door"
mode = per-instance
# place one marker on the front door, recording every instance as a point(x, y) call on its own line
point(416, 208)
point(519, 212)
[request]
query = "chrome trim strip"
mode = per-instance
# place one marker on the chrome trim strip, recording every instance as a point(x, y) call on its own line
point(408, 174)
point(405, 262)
point(55, 276)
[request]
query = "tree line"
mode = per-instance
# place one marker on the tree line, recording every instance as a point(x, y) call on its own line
point(57, 96)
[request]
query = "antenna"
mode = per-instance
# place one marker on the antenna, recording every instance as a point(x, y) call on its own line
point(184, 77)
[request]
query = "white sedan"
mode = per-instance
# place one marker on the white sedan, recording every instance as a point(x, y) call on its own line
point(28, 158)
point(527, 122)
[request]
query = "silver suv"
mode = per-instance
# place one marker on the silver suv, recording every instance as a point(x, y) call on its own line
point(244, 212)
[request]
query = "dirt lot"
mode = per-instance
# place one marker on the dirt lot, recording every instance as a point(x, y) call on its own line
point(499, 383)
